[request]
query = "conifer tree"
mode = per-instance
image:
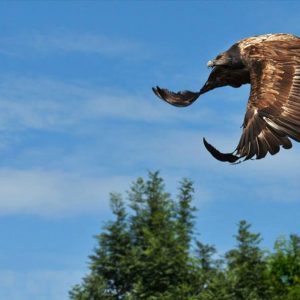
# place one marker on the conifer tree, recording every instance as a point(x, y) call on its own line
point(185, 213)
point(145, 255)
point(149, 252)
point(247, 269)
point(285, 268)
point(155, 236)
point(211, 278)
point(110, 265)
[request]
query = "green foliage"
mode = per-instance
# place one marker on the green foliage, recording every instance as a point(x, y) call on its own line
point(144, 255)
point(285, 268)
point(158, 226)
point(149, 252)
point(247, 268)
point(185, 216)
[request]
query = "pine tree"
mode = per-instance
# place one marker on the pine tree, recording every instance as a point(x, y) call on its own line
point(144, 255)
point(185, 214)
point(285, 268)
point(247, 269)
point(211, 280)
point(186, 270)
point(110, 266)
point(149, 252)
point(154, 227)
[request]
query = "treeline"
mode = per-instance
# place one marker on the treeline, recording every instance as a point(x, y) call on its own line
point(150, 252)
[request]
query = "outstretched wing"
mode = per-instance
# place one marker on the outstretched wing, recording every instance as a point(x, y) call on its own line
point(220, 76)
point(179, 99)
point(273, 110)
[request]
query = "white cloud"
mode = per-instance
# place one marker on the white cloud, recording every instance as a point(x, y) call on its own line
point(39, 103)
point(275, 178)
point(27, 103)
point(55, 193)
point(35, 103)
point(58, 193)
point(63, 41)
point(84, 42)
point(39, 284)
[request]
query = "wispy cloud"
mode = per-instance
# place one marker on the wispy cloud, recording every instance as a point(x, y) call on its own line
point(39, 284)
point(28, 103)
point(55, 193)
point(63, 41)
point(59, 193)
point(49, 104)
point(37, 103)
point(275, 178)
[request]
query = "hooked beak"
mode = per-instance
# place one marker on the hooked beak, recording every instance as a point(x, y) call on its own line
point(211, 63)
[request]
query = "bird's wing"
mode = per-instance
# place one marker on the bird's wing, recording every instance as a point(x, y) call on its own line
point(220, 76)
point(179, 99)
point(273, 110)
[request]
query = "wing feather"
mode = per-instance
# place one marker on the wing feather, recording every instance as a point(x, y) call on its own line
point(179, 99)
point(273, 111)
point(219, 76)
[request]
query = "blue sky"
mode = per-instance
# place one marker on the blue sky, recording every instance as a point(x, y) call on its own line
point(78, 120)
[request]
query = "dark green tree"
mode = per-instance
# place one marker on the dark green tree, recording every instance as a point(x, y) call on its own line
point(211, 279)
point(285, 268)
point(149, 252)
point(162, 232)
point(145, 255)
point(246, 267)
point(185, 214)
point(153, 229)
point(110, 265)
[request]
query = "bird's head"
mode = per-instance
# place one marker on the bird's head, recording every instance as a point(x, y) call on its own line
point(229, 58)
point(223, 59)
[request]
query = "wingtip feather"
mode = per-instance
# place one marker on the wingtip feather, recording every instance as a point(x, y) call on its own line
point(226, 157)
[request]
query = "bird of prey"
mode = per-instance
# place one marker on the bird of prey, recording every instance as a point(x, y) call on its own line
point(271, 64)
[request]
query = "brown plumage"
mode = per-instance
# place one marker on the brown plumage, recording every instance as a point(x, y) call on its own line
point(271, 64)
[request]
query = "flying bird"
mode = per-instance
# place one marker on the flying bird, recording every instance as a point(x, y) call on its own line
point(270, 63)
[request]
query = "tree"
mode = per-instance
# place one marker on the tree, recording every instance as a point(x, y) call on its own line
point(110, 265)
point(185, 214)
point(246, 267)
point(154, 232)
point(144, 255)
point(149, 252)
point(285, 268)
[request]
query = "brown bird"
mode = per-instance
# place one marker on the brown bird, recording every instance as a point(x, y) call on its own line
point(271, 64)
